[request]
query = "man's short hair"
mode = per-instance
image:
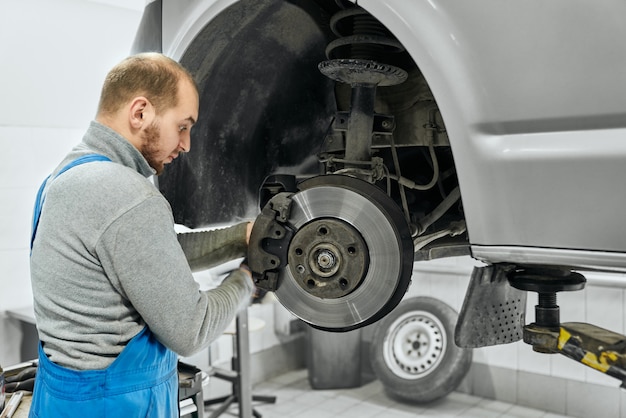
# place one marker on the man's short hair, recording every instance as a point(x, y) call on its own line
point(151, 75)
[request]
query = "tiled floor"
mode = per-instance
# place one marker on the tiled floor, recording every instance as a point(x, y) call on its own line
point(296, 399)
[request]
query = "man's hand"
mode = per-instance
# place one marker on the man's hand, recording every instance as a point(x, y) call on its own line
point(249, 231)
point(244, 267)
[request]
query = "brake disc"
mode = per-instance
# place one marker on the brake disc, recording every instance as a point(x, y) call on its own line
point(350, 259)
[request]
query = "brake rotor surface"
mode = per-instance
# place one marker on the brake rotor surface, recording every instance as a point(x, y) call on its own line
point(350, 259)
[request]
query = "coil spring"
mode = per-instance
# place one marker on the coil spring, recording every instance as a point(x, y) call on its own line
point(360, 35)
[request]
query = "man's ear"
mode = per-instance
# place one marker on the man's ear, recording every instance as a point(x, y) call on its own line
point(141, 112)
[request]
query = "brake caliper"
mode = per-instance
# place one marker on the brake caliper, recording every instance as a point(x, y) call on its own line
point(269, 242)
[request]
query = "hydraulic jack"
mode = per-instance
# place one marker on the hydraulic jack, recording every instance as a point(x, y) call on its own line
point(494, 313)
point(588, 344)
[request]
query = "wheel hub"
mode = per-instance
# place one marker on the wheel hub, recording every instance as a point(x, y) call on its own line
point(328, 258)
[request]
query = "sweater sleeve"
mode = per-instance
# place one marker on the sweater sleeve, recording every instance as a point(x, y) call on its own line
point(206, 249)
point(144, 260)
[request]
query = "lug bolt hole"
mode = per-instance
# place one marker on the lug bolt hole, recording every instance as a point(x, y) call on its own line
point(323, 230)
point(343, 283)
point(310, 283)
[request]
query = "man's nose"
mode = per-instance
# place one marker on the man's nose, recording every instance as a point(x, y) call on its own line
point(185, 143)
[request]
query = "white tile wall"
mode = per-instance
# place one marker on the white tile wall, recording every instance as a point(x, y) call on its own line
point(37, 150)
point(532, 361)
point(55, 56)
point(605, 307)
point(565, 368)
point(584, 400)
point(30, 155)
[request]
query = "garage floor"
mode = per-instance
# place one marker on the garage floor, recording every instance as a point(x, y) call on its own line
point(296, 399)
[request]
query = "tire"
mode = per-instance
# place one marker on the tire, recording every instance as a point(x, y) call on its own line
point(413, 352)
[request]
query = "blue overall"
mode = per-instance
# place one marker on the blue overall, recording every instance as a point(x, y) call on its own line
point(141, 382)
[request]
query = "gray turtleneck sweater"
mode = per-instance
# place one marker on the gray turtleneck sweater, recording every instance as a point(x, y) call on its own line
point(106, 262)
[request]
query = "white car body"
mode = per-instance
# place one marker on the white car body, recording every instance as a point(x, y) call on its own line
point(505, 141)
point(534, 99)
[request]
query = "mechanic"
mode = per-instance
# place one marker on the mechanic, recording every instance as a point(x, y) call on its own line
point(114, 296)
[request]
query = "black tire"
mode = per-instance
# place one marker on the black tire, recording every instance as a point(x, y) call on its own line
point(413, 352)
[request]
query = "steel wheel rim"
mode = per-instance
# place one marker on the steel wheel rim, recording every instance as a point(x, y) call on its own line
point(414, 345)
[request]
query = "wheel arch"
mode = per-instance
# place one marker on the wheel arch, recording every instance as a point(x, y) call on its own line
point(264, 107)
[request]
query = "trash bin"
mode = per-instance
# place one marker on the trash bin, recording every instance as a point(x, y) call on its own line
point(334, 359)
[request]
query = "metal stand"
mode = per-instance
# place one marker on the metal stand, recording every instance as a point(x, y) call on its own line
point(239, 376)
point(190, 387)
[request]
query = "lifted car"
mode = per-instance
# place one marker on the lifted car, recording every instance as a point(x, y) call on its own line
point(379, 133)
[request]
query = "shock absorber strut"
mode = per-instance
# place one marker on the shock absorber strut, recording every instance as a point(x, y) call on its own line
point(353, 59)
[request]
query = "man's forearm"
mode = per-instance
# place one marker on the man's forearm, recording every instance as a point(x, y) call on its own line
point(207, 249)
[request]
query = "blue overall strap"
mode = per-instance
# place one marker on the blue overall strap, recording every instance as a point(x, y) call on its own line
point(41, 195)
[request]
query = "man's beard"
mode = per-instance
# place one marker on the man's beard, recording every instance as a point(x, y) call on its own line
point(150, 147)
